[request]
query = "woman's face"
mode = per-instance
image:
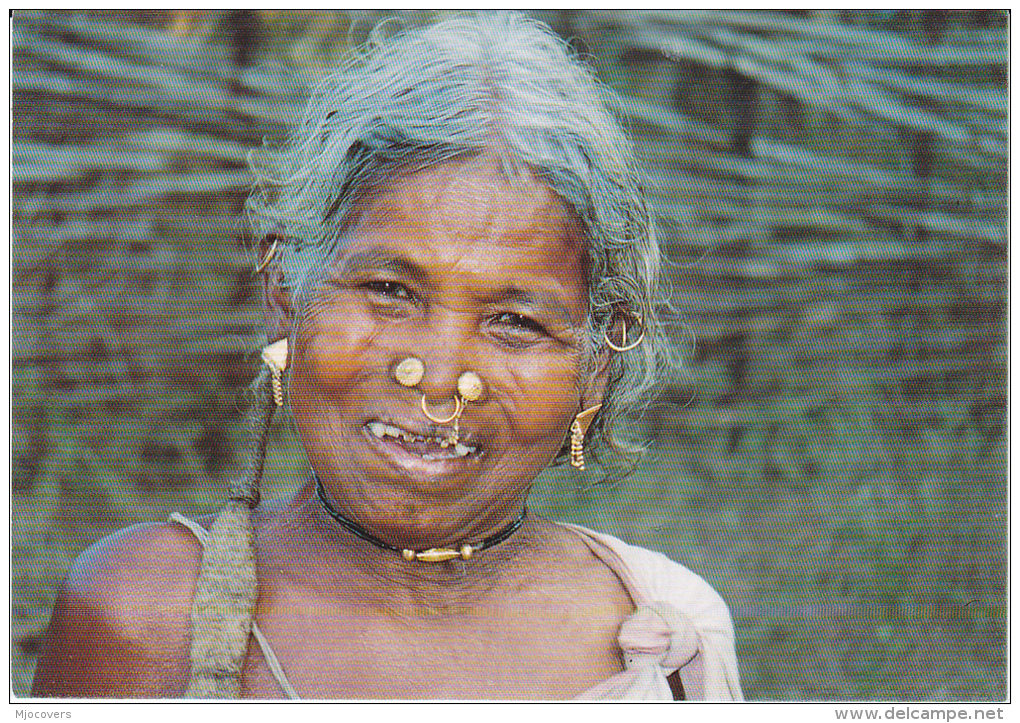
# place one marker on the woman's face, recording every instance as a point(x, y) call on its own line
point(458, 268)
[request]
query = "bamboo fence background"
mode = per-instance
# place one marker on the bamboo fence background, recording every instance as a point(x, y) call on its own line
point(833, 190)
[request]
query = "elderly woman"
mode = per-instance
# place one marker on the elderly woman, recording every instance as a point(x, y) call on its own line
point(459, 275)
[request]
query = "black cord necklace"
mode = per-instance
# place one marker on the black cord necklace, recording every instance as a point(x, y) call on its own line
point(433, 554)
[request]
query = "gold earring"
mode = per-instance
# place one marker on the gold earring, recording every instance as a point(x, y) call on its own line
point(577, 431)
point(264, 262)
point(275, 357)
point(625, 346)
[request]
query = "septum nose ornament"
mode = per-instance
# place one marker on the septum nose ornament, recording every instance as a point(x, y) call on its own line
point(410, 371)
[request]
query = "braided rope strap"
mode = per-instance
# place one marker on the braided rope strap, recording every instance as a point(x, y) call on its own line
point(224, 604)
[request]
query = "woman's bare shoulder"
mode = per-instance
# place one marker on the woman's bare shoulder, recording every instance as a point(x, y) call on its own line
point(120, 623)
point(584, 575)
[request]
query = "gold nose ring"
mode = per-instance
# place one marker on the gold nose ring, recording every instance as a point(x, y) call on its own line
point(458, 408)
point(469, 389)
point(411, 370)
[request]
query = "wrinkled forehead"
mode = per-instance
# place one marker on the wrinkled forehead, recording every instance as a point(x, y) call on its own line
point(461, 202)
point(474, 198)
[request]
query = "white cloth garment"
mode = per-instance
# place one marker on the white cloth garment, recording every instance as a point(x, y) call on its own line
point(680, 623)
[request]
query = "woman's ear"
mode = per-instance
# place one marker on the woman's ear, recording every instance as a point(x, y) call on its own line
point(595, 390)
point(277, 308)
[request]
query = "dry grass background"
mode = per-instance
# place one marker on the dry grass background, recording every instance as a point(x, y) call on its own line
point(833, 458)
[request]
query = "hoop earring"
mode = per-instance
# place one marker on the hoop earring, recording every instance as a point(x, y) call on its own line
point(275, 357)
point(578, 429)
point(626, 347)
point(264, 261)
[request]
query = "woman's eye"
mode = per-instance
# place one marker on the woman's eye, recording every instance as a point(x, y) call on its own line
point(387, 288)
point(518, 323)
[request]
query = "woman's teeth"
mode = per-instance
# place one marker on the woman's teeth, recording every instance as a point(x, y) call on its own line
point(381, 431)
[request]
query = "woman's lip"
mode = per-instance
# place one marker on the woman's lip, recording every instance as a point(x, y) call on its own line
point(415, 464)
point(436, 431)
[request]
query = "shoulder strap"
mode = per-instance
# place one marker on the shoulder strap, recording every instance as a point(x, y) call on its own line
point(676, 686)
point(202, 535)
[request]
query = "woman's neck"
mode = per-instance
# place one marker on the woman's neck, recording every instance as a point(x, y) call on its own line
point(430, 554)
point(340, 560)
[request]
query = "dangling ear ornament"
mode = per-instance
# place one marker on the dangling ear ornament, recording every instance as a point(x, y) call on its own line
point(578, 429)
point(275, 357)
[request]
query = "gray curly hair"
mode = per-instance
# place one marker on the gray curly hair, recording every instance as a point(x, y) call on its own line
point(499, 83)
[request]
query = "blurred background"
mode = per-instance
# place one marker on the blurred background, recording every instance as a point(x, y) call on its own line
point(833, 190)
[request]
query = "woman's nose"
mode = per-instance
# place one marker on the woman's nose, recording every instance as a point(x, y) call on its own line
point(447, 350)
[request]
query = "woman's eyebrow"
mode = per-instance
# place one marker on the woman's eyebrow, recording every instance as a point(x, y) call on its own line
point(383, 259)
point(541, 301)
point(380, 259)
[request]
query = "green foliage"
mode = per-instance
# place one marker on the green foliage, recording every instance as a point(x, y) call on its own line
point(856, 590)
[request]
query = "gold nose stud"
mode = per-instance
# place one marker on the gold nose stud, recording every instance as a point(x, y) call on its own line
point(469, 386)
point(409, 371)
